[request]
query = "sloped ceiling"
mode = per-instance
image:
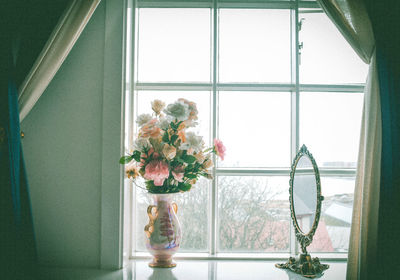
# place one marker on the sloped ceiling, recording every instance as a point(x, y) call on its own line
point(30, 23)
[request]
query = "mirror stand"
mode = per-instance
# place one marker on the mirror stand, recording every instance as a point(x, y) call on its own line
point(304, 265)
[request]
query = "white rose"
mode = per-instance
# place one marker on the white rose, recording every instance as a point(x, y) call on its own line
point(164, 123)
point(192, 142)
point(191, 123)
point(141, 144)
point(143, 119)
point(178, 110)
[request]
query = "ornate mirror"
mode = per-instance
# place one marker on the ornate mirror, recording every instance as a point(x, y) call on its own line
point(305, 208)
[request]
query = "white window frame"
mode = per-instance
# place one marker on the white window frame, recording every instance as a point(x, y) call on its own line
point(294, 88)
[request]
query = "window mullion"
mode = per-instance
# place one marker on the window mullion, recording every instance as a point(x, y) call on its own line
point(259, 87)
point(131, 115)
point(348, 88)
point(214, 193)
point(294, 103)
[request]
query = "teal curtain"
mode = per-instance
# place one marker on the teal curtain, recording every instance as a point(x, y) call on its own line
point(386, 24)
point(17, 240)
point(388, 245)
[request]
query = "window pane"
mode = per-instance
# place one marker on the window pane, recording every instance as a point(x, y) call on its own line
point(192, 215)
point(255, 127)
point(174, 45)
point(253, 214)
point(254, 45)
point(201, 98)
point(333, 231)
point(330, 126)
point(143, 200)
point(326, 56)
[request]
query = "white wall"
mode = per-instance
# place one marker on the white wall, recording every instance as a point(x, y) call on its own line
point(65, 137)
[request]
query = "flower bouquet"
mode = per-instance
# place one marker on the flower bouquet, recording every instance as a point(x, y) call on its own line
point(171, 159)
point(168, 156)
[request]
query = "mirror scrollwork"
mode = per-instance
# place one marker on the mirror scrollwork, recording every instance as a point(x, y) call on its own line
point(305, 209)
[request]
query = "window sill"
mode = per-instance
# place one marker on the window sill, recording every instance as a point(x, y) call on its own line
point(193, 270)
point(243, 256)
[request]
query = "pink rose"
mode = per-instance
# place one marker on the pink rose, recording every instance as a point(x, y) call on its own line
point(178, 173)
point(177, 176)
point(219, 148)
point(157, 171)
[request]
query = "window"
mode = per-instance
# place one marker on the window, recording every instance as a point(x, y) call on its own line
point(267, 76)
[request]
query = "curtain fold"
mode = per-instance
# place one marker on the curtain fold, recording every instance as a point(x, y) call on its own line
point(385, 20)
point(388, 243)
point(352, 19)
point(17, 239)
point(364, 228)
point(60, 43)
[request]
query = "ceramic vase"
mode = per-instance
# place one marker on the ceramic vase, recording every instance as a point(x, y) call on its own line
point(163, 232)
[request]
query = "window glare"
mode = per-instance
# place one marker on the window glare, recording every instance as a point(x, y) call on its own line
point(326, 57)
point(330, 127)
point(255, 126)
point(254, 45)
point(174, 45)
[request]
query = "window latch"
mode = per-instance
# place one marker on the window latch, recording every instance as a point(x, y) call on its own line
point(301, 23)
point(300, 48)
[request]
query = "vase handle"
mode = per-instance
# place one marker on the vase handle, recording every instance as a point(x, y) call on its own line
point(149, 228)
point(175, 206)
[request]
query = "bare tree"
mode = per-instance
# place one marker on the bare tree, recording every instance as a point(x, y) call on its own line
point(249, 216)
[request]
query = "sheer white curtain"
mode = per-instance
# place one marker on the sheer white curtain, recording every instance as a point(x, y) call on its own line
point(351, 18)
point(58, 46)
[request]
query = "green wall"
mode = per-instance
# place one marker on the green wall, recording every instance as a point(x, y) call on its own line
point(62, 147)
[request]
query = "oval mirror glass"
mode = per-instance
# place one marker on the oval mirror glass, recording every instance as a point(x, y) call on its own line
point(304, 194)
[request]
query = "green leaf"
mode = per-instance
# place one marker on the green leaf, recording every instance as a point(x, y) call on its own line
point(189, 168)
point(191, 176)
point(196, 169)
point(174, 126)
point(189, 159)
point(184, 186)
point(165, 137)
point(136, 155)
point(150, 186)
point(125, 159)
point(173, 138)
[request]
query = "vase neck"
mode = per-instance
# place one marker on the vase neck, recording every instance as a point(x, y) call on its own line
point(162, 197)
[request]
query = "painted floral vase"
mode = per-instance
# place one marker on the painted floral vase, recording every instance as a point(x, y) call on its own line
point(163, 232)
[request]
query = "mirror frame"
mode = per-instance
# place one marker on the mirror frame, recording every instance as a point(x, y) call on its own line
point(302, 238)
point(305, 265)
